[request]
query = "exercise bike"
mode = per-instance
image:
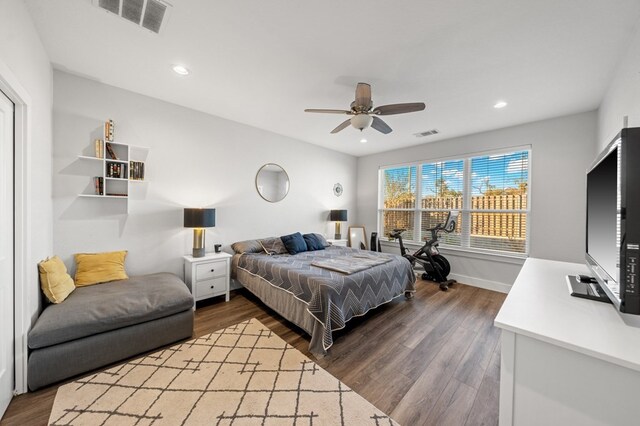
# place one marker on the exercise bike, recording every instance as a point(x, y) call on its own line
point(436, 266)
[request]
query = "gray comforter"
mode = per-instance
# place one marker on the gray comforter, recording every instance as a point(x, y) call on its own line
point(332, 297)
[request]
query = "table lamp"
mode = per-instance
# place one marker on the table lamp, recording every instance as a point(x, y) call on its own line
point(338, 216)
point(198, 219)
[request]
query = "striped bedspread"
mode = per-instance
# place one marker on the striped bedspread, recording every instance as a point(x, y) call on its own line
point(333, 297)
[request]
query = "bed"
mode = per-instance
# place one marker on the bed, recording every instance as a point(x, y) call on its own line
point(316, 290)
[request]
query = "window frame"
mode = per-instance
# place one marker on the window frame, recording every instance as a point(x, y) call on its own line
point(466, 211)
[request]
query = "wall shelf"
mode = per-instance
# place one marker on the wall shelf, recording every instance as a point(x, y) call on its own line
point(86, 157)
point(115, 175)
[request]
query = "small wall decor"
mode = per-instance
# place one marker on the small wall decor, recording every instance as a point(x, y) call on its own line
point(337, 189)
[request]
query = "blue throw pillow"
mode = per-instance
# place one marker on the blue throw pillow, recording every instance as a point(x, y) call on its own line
point(313, 242)
point(294, 243)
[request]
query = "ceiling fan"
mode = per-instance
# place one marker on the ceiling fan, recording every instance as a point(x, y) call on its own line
point(364, 115)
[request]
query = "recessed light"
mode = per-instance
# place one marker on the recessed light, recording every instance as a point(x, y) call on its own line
point(363, 140)
point(500, 104)
point(182, 70)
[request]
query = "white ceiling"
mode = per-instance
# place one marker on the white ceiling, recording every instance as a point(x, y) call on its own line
point(262, 62)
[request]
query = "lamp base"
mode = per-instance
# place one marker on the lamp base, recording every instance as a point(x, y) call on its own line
point(198, 242)
point(338, 234)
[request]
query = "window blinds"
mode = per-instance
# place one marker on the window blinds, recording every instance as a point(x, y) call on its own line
point(490, 191)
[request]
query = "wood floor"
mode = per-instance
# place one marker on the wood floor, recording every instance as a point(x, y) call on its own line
point(432, 360)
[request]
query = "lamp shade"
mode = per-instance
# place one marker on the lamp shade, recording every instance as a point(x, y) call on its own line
point(338, 216)
point(199, 218)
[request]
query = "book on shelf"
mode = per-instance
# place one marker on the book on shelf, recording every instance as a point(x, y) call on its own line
point(111, 152)
point(99, 185)
point(99, 148)
point(108, 130)
point(136, 170)
point(116, 170)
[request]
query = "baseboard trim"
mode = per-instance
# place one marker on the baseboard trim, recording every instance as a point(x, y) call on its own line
point(479, 282)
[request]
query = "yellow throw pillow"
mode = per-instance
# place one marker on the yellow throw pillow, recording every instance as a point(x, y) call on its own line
point(96, 268)
point(55, 282)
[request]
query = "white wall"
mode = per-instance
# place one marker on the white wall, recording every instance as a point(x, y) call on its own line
point(196, 160)
point(623, 96)
point(562, 148)
point(22, 52)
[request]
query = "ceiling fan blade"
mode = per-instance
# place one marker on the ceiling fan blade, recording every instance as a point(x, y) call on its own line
point(381, 126)
point(399, 108)
point(363, 96)
point(342, 126)
point(329, 111)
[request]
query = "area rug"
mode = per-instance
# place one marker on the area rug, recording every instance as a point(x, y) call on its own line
point(242, 375)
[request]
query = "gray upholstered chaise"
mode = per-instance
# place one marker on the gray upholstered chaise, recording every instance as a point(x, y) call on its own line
point(104, 323)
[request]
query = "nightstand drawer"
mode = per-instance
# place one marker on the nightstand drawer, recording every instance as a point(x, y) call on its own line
point(206, 271)
point(210, 287)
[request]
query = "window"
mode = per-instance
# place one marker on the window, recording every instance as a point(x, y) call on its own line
point(490, 191)
point(442, 186)
point(399, 191)
point(499, 202)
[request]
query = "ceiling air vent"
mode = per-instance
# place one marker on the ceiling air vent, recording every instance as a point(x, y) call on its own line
point(149, 14)
point(427, 133)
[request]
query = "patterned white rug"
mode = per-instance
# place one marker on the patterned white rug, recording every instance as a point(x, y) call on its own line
point(242, 375)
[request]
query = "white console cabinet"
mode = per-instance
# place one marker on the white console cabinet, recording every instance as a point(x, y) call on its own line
point(564, 360)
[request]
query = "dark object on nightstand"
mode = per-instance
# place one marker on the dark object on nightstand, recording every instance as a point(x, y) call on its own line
point(375, 242)
point(217, 248)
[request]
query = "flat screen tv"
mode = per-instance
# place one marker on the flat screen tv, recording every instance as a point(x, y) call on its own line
point(613, 220)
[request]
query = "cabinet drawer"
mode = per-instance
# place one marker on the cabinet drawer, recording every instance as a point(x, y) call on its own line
point(210, 287)
point(206, 271)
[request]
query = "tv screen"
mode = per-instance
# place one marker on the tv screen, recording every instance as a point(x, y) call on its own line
point(602, 215)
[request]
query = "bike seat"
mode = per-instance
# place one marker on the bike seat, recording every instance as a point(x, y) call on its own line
point(396, 233)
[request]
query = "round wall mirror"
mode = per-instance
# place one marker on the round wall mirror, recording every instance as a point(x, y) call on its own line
point(272, 182)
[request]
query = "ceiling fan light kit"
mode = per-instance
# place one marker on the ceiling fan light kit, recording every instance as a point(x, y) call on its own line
point(364, 115)
point(361, 121)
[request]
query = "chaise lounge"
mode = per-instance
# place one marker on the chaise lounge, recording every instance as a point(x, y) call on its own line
point(101, 324)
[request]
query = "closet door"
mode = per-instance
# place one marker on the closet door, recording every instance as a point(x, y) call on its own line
point(7, 384)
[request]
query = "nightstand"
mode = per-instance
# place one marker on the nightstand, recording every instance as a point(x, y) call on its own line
point(208, 276)
point(342, 243)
